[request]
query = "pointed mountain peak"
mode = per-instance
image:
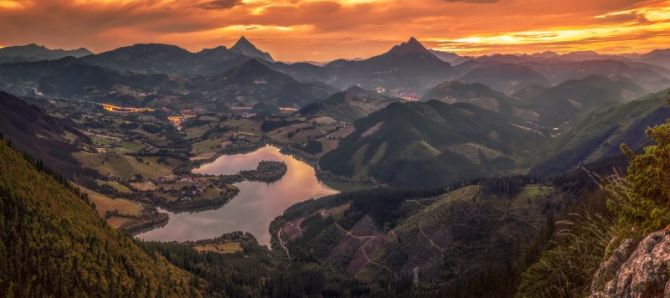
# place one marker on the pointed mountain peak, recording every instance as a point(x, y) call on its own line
point(243, 42)
point(245, 47)
point(414, 42)
point(412, 46)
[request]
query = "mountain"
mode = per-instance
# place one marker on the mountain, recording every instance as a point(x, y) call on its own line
point(482, 96)
point(301, 71)
point(244, 47)
point(74, 79)
point(587, 56)
point(598, 136)
point(54, 244)
point(33, 52)
point(428, 144)
point(560, 71)
point(506, 77)
point(569, 100)
point(40, 135)
point(657, 57)
point(349, 105)
point(98, 83)
point(405, 71)
point(253, 82)
point(168, 59)
point(451, 58)
point(144, 58)
point(467, 240)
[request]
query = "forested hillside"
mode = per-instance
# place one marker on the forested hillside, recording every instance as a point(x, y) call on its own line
point(52, 243)
point(618, 250)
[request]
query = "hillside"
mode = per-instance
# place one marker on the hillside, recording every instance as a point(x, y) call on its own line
point(598, 136)
point(644, 75)
point(505, 77)
point(349, 105)
point(38, 134)
point(482, 96)
point(47, 226)
point(571, 99)
point(460, 241)
point(33, 52)
point(253, 82)
point(431, 144)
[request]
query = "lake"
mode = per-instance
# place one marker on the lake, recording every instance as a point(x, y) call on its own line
point(254, 207)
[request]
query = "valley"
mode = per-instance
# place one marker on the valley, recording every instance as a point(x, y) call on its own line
point(411, 173)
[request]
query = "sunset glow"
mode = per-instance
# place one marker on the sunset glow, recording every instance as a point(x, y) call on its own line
point(308, 29)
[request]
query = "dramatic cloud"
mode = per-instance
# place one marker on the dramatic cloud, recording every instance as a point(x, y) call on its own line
point(327, 29)
point(219, 4)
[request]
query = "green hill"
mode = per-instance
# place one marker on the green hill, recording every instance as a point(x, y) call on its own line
point(431, 144)
point(460, 241)
point(598, 136)
point(349, 105)
point(52, 243)
point(482, 96)
point(574, 98)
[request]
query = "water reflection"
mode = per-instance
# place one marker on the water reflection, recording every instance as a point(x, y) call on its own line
point(256, 205)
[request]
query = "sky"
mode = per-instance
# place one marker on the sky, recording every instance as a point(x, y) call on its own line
point(322, 30)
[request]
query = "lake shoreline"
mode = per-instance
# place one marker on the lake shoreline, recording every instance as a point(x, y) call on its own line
point(264, 194)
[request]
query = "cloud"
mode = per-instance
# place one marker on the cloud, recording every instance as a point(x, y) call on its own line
point(219, 4)
point(474, 1)
point(327, 29)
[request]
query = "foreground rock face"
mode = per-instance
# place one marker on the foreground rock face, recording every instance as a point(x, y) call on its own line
point(641, 270)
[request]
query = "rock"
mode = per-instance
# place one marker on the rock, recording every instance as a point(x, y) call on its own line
point(611, 266)
point(636, 271)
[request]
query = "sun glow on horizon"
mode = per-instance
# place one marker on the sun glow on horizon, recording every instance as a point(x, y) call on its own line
point(323, 30)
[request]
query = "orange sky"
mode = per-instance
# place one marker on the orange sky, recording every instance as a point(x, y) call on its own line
point(320, 30)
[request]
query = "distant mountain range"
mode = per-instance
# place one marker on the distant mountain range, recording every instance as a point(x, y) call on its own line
point(405, 71)
point(574, 98)
point(253, 82)
point(463, 128)
point(33, 52)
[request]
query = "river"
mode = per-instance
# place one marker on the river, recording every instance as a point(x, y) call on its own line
point(256, 205)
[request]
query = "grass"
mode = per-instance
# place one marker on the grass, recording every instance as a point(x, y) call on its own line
point(117, 221)
point(223, 248)
point(143, 186)
point(115, 185)
point(123, 166)
point(105, 203)
point(196, 132)
point(209, 145)
point(347, 186)
point(130, 147)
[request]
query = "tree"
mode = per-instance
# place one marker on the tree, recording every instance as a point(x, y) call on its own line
point(641, 200)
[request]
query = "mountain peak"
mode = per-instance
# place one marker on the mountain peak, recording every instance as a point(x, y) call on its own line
point(245, 47)
point(413, 41)
point(243, 42)
point(412, 46)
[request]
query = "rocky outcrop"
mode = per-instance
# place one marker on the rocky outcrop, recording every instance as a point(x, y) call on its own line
point(641, 270)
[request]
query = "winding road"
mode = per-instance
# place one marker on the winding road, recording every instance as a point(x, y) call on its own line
point(364, 241)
